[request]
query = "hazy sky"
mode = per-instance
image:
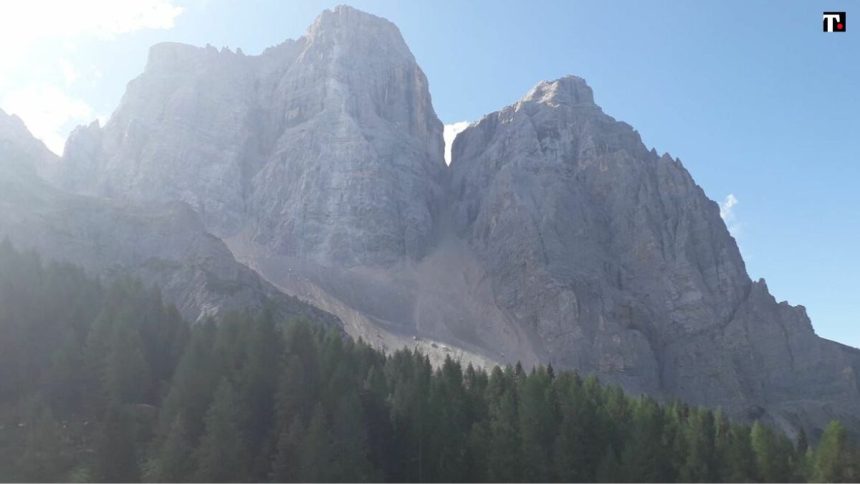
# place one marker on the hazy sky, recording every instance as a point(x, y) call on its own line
point(760, 105)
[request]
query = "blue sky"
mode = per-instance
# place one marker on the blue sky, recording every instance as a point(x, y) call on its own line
point(759, 104)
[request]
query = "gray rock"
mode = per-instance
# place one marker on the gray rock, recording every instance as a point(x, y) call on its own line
point(165, 245)
point(327, 145)
point(617, 264)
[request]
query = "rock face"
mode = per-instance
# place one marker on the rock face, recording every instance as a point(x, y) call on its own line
point(328, 144)
point(554, 236)
point(161, 244)
point(617, 263)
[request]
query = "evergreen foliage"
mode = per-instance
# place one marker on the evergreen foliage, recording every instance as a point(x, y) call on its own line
point(107, 383)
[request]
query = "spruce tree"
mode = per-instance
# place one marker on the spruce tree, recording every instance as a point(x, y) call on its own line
point(222, 455)
point(317, 456)
point(833, 461)
point(116, 458)
point(350, 442)
point(174, 460)
point(287, 462)
point(504, 450)
point(43, 459)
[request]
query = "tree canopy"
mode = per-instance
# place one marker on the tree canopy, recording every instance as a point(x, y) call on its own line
point(105, 382)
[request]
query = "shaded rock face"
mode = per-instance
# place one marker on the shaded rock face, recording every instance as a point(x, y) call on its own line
point(326, 147)
point(617, 263)
point(554, 236)
point(165, 245)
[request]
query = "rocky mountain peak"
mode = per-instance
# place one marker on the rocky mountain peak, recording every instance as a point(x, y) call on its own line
point(13, 130)
point(350, 28)
point(21, 150)
point(326, 147)
point(568, 90)
point(9, 122)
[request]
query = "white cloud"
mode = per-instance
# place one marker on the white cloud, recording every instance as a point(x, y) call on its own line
point(727, 212)
point(48, 113)
point(35, 19)
point(25, 23)
point(449, 133)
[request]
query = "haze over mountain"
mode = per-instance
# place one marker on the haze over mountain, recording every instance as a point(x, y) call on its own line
point(163, 244)
point(555, 236)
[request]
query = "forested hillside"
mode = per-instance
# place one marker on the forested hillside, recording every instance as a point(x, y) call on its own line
point(106, 383)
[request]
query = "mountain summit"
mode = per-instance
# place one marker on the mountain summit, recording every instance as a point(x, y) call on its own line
point(569, 90)
point(326, 148)
point(555, 236)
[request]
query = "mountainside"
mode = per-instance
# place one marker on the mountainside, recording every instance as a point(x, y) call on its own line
point(163, 244)
point(554, 236)
point(618, 264)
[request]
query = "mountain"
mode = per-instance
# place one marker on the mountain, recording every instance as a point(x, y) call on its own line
point(343, 110)
point(618, 264)
point(164, 245)
point(319, 162)
point(555, 235)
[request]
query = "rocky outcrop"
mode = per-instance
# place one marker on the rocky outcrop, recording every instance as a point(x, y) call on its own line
point(617, 263)
point(165, 245)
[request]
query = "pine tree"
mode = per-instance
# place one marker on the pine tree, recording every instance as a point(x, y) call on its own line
point(538, 417)
point(446, 451)
point(126, 372)
point(609, 469)
point(194, 383)
point(43, 459)
point(222, 455)
point(257, 391)
point(380, 435)
point(643, 456)
point(739, 463)
point(773, 455)
point(503, 456)
point(409, 374)
point(699, 465)
point(317, 455)
point(477, 464)
point(174, 461)
point(802, 442)
point(116, 458)
point(582, 436)
point(287, 464)
point(297, 391)
point(833, 461)
point(350, 442)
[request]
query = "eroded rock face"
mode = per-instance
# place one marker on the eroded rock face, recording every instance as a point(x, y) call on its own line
point(618, 264)
point(326, 147)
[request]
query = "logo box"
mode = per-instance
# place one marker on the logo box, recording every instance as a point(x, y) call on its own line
point(834, 21)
